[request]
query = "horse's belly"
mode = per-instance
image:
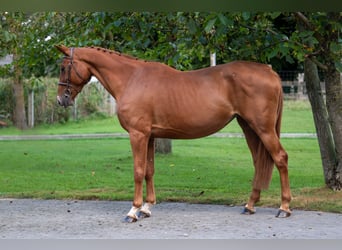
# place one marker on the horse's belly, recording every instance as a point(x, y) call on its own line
point(190, 128)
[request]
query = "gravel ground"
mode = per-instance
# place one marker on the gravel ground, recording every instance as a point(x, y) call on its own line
point(64, 219)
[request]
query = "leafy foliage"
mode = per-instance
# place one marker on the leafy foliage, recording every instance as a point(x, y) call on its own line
point(183, 40)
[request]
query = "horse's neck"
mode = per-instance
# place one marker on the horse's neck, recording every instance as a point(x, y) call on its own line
point(113, 71)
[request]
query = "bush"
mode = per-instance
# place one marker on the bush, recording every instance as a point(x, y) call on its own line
point(7, 100)
point(90, 102)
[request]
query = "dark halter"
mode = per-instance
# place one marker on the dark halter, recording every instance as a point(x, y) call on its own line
point(68, 83)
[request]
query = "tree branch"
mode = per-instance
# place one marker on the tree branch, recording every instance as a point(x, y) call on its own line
point(318, 63)
point(304, 20)
point(256, 29)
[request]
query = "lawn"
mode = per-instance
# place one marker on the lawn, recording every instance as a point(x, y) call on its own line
point(207, 170)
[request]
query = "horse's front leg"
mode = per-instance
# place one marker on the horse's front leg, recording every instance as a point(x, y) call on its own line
point(150, 194)
point(139, 144)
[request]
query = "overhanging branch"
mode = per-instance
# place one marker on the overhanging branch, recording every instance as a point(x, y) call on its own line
point(318, 63)
point(304, 20)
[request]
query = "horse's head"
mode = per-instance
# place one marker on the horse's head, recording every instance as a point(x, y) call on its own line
point(74, 74)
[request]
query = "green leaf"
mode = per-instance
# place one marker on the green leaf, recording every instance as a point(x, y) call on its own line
point(274, 15)
point(246, 15)
point(223, 19)
point(335, 47)
point(338, 65)
point(192, 26)
point(289, 59)
point(273, 53)
point(210, 25)
point(117, 23)
point(306, 33)
point(7, 36)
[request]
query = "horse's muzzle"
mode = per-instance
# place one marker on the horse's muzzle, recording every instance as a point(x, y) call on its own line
point(65, 100)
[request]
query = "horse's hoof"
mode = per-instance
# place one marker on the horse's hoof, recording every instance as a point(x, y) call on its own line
point(129, 219)
point(142, 215)
point(247, 211)
point(283, 213)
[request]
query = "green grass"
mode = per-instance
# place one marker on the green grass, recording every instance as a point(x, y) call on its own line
point(82, 126)
point(208, 170)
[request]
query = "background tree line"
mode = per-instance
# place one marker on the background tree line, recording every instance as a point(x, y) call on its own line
point(184, 40)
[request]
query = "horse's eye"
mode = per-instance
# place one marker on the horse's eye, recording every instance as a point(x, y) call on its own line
point(62, 69)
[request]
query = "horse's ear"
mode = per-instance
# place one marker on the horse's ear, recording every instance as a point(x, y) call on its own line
point(63, 49)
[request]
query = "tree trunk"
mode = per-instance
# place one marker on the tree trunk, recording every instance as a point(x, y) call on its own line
point(163, 146)
point(333, 87)
point(334, 105)
point(320, 115)
point(19, 117)
point(328, 118)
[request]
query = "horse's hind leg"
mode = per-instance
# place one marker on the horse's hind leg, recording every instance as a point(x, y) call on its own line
point(280, 157)
point(266, 151)
point(252, 142)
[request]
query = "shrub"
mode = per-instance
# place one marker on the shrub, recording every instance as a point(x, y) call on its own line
point(6, 100)
point(92, 101)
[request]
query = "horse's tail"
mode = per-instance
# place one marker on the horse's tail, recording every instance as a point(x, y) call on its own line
point(263, 167)
point(263, 161)
point(280, 112)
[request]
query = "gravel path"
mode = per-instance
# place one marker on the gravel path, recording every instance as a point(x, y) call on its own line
point(63, 219)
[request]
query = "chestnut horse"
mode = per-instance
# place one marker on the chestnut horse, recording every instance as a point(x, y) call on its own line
point(157, 101)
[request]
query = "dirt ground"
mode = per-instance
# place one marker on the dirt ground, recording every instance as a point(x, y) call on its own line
point(69, 219)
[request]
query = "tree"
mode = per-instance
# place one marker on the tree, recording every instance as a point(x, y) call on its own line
point(11, 35)
point(324, 51)
point(28, 37)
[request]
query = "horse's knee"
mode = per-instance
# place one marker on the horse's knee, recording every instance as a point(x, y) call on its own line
point(139, 175)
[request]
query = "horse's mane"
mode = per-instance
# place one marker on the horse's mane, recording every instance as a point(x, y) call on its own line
point(116, 53)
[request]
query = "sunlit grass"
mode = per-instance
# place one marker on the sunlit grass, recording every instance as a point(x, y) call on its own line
point(208, 170)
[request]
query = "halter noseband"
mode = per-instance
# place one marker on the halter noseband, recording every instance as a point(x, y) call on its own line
point(68, 83)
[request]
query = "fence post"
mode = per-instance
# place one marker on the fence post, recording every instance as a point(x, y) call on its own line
point(30, 108)
point(300, 79)
point(212, 59)
point(112, 105)
point(74, 110)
